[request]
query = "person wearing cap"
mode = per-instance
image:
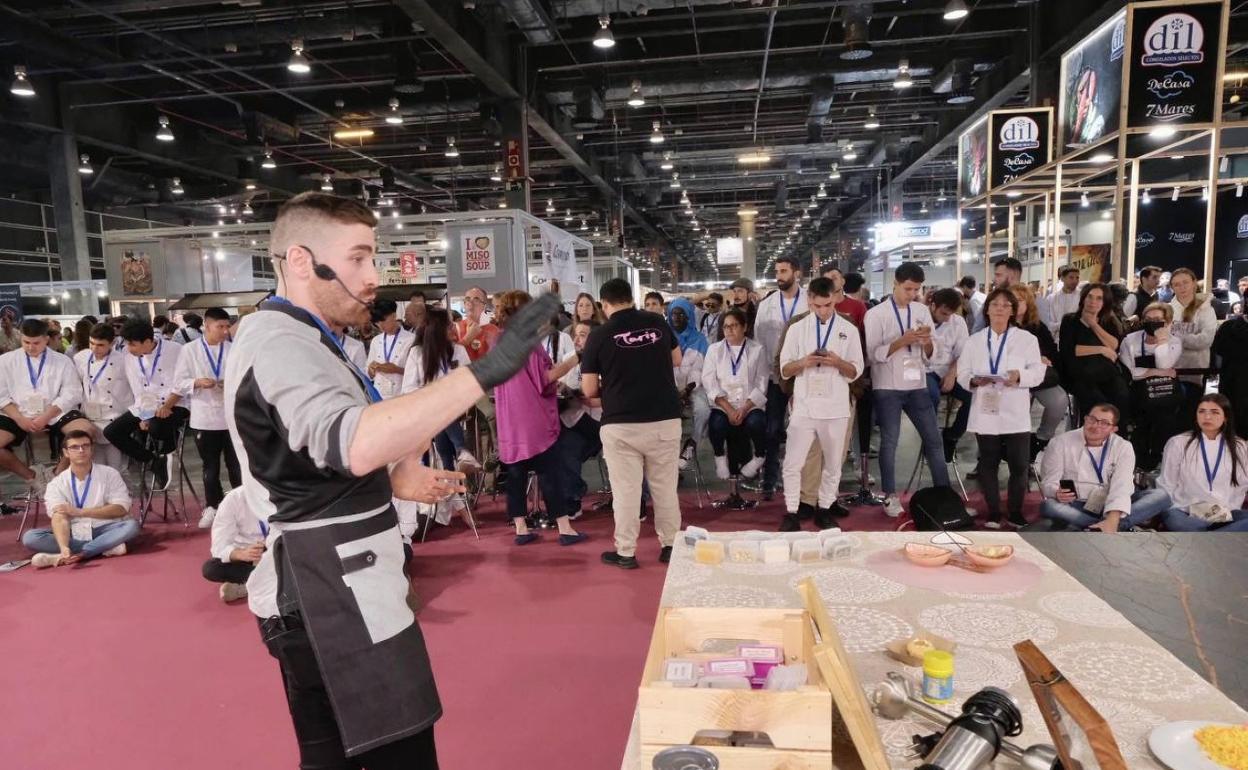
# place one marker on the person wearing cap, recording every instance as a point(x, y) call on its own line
point(1063, 300)
point(742, 288)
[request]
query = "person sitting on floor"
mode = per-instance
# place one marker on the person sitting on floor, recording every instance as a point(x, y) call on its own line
point(1205, 472)
point(238, 542)
point(90, 510)
point(1102, 467)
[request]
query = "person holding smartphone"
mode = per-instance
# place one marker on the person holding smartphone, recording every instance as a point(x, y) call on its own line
point(1087, 478)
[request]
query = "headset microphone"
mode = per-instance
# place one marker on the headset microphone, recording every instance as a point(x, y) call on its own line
point(326, 273)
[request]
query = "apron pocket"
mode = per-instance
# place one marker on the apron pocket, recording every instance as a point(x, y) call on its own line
point(372, 568)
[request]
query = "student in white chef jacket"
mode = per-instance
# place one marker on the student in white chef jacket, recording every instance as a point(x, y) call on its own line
point(238, 542)
point(735, 376)
point(105, 388)
point(156, 413)
point(999, 365)
point(201, 380)
point(1205, 472)
point(354, 349)
point(824, 354)
point(387, 352)
point(39, 392)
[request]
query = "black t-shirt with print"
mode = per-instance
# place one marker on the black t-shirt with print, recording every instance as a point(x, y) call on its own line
point(632, 355)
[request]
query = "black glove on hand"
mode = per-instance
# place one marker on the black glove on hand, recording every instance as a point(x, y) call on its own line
point(524, 332)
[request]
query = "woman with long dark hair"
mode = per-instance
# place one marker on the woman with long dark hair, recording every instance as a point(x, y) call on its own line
point(433, 357)
point(1089, 340)
point(82, 335)
point(1049, 392)
point(1205, 472)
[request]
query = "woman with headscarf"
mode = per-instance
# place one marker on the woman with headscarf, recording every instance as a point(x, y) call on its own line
point(693, 346)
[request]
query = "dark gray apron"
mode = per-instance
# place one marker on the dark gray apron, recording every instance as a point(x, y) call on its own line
point(347, 582)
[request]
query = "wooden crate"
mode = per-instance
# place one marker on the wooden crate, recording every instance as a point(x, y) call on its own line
point(799, 722)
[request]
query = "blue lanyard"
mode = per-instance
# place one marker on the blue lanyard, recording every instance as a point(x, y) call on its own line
point(1210, 474)
point(147, 378)
point(96, 378)
point(1099, 468)
point(388, 350)
point(897, 313)
point(373, 395)
point(264, 527)
point(995, 365)
point(80, 501)
point(34, 378)
point(821, 341)
point(214, 365)
point(736, 363)
point(786, 316)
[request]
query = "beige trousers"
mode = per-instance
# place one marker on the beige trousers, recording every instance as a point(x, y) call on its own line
point(812, 470)
point(637, 450)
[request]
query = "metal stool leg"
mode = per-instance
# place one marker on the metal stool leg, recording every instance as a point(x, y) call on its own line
point(31, 498)
point(917, 473)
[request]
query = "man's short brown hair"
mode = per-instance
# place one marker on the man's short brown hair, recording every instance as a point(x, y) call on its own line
point(310, 207)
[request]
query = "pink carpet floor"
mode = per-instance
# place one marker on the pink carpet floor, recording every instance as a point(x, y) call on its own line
point(134, 662)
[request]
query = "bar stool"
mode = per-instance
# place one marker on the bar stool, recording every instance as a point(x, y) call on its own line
point(738, 448)
point(700, 488)
point(33, 502)
point(436, 459)
point(147, 492)
point(605, 503)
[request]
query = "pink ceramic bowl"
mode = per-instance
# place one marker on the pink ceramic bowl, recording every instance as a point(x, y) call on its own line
point(926, 555)
point(990, 556)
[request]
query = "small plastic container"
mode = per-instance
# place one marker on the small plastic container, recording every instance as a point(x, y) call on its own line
point(708, 552)
point(838, 547)
point(826, 534)
point(761, 653)
point(757, 534)
point(786, 677)
point(806, 551)
point(681, 672)
point(730, 667)
point(937, 676)
point(793, 537)
point(775, 551)
point(694, 534)
point(725, 682)
point(744, 552)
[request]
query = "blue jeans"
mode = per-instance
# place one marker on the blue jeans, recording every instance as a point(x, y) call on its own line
point(104, 537)
point(754, 425)
point(777, 407)
point(963, 415)
point(1179, 520)
point(449, 443)
point(576, 445)
point(917, 404)
point(1145, 504)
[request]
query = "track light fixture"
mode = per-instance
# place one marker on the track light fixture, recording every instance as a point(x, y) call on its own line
point(21, 84)
point(656, 136)
point(84, 165)
point(298, 63)
point(327, 184)
point(451, 150)
point(268, 163)
point(956, 10)
point(635, 97)
point(176, 187)
point(903, 79)
point(393, 117)
point(603, 37)
point(164, 133)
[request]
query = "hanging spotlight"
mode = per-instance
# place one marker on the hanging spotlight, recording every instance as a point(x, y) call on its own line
point(903, 79)
point(836, 172)
point(176, 189)
point(923, 207)
point(550, 205)
point(584, 226)
point(1174, 195)
point(850, 155)
point(675, 185)
point(872, 122)
point(1106, 214)
point(268, 162)
point(497, 174)
point(635, 98)
point(298, 62)
point(603, 37)
point(1239, 190)
point(451, 150)
point(84, 165)
point(394, 118)
point(955, 10)
point(1224, 163)
point(247, 210)
point(1145, 197)
point(250, 185)
point(941, 197)
point(21, 84)
point(1162, 131)
point(1204, 193)
point(164, 133)
point(656, 136)
point(327, 184)
point(667, 164)
point(502, 203)
point(1101, 157)
point(823, 191)
point(567, 215)
point(1083, 201)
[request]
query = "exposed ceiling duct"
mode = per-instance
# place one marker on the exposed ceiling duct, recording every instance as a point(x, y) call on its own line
point(820, 103)
point(857, 32)
point(588, 109)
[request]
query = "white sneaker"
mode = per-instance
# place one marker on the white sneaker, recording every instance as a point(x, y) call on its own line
point(721, 467)
point(686, 455)
point(116, 551)
point(892, 506)
point(205, 519)
point(232, 592)
point(466, 463)
point(750, 469)
point(990, 524)
point(45, 560)
point(43, 475)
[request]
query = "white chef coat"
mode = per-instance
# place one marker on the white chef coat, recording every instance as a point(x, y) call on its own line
point(234, 526)
point(1183, 473)
point(156, 384)
point(1167, 354)
point(822, 393)
point(104, 383)
point(389, 385)
point(355, 351)
point(207, 405)
point(976, 303)
point(57, 383)
point(561, 350)
point(774, 314)
point(107, 488)
point(1022, 353)
point(1056, 306)
point(749, 381)
point(948, 340)
point(690, 369)
point(573, 412)
point(414, 369)
point(889, 372)
point(1067, 457)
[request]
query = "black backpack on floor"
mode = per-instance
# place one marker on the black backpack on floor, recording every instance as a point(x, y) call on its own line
point(937, 508)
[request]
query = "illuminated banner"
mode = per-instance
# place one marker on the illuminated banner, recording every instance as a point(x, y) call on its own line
point(1092, 85)
point(1021, 141)
point(1174, 64)
point(973, 160)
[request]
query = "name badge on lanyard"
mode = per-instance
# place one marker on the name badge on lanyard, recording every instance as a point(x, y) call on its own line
point(990, 397)
point(911, 366)
point(148, 401)
point(785, 315)
point(97, 401)
point(1211, 474)
point(214, 365)
point(1096, 500)
point(80, 528)
point(735, 387)
point(32, 404)
point(819, 382)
